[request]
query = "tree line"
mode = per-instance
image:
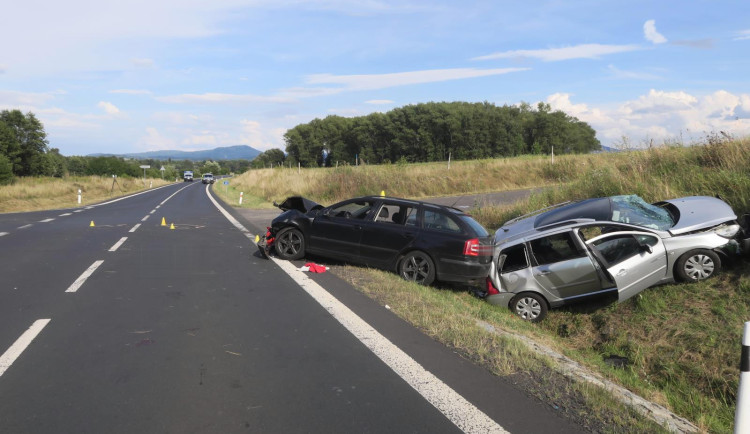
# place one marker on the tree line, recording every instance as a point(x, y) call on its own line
point(25, 151)
point(434, 132)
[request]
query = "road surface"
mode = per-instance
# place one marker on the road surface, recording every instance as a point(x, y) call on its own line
point(130, 326)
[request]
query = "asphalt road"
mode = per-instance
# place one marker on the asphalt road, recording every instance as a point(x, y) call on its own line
point(130, 326)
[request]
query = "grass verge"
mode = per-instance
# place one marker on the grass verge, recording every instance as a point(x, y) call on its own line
point(449, 316)
point(40, 193)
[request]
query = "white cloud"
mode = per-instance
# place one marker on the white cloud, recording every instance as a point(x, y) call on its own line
point(379, 101)
point(661, 115)
point(154, 140)
point(382, 81)
point(131, 91)
point(11, 99)
point(108, 108)
point(631, 75)
point(142, 63)
point(584, 51)
point(650, 33)
point(221, 98)
point(742, 35)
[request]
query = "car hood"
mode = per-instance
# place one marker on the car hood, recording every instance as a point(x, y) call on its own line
point(698, 212)
point(298, 203)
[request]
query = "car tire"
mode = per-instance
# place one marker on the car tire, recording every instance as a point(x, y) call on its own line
point(417, 267)
point(698, 264)
point(529, 306)
point(290, 244)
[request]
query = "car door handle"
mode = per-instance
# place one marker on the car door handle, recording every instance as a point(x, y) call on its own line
point(622, 272)
point(543, 273)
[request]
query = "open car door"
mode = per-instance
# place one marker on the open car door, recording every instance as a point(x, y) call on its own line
point(634, 260)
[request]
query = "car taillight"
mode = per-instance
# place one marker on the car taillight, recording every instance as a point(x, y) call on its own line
point(491, 290)
point(471, 247)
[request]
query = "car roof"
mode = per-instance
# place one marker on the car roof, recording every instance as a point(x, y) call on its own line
point(413, 202)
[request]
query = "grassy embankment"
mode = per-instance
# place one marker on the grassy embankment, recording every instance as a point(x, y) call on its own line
point(32, 194)
point(682, 341)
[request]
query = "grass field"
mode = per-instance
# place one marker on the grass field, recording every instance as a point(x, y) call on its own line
point(31, 194)
point(682, 341)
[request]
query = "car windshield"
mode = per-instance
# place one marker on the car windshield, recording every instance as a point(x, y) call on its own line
point(635, 211)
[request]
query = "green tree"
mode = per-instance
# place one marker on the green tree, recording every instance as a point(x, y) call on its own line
point(6, 170)
point(24, 142)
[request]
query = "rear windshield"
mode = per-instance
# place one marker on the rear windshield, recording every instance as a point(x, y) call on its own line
point(478, 229)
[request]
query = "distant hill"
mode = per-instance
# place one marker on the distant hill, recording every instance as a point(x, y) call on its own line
point(240, 152)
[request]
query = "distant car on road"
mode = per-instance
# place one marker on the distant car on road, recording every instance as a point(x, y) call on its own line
point(187, 176)
point(207, 178)
point(619, 245)
point(422, 242)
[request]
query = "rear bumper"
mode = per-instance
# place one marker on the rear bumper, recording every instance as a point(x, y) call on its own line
point(501, 299)
point(451, 270)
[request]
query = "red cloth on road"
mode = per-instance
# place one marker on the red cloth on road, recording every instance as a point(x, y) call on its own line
point(315, 268)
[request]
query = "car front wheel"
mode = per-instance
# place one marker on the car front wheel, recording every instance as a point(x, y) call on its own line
point(290, 244)
point(417, 267)
point(529, 306)
point(697, 265)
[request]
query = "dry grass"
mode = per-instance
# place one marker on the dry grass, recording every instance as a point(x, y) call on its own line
point(327, 185)
point(31, 194)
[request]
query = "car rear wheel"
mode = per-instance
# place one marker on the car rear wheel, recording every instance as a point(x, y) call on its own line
point(417, 267)
point(529, 306)
point(290, 244)
point(697, 265)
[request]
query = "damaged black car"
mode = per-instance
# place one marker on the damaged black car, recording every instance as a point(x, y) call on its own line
point(422, 242)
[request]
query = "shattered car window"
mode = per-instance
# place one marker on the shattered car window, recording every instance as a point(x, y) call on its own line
point(353, 210)
point(635, 211)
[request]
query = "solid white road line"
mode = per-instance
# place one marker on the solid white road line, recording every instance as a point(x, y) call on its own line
point(145, 218)
point(118, 244)
point(21, 343)
point(455, 407)
point(82, 278)
point(135, 228)
point(25, 226)
point(46, 220)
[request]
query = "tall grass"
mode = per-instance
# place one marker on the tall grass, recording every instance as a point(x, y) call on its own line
point(37, 193)
point(327, 185)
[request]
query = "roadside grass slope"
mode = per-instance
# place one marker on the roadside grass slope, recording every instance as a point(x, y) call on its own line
point(39, 193)
point(681, 341)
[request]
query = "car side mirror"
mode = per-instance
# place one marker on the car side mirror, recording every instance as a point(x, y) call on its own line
point(645, 248)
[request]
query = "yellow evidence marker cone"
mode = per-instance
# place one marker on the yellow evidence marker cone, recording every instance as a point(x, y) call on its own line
point(171, 226)
point(382, 193)
point(92, 224)
point(257, 238)
point(163, 222)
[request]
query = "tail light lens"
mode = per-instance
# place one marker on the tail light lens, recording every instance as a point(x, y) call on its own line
point(471, 247)
point(491, 290)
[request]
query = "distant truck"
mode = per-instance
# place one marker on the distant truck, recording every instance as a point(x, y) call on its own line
point(187, 176)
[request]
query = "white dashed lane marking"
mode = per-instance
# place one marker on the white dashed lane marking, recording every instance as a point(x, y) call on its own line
point(135, 228)
point(25, 226)
point(46, 220)
point(118, 244)
point(21, 344)
point(82, 278)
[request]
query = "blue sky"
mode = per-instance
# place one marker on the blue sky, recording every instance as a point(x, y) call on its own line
point(106, 76)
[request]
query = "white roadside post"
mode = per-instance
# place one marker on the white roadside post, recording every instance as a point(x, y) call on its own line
point(79, 196)
point(241, 193)
point(742, 410)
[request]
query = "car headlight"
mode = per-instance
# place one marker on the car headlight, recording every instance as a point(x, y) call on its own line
point(727, 231)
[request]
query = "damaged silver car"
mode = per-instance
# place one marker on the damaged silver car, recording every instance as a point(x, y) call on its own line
point(617, 245)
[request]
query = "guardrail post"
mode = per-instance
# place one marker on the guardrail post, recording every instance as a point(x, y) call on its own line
point(742, 410)
point(241, 193)
point(79, 196)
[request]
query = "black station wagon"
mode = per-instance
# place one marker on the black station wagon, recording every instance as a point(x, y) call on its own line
point(421, 241)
